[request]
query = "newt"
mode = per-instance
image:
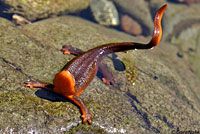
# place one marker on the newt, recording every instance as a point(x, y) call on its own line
point(79, 72)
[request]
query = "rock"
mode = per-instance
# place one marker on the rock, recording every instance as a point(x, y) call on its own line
point(162, 105)
point(181, 28)
point(19, 20)
point(105, 12)
point(188, 1)
point(178, 17)
point(188, 43)
point(139, 10)
point(130, 26)
point(34, 10)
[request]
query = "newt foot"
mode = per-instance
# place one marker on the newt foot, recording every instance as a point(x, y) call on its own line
point(29, 84)
point(87, 117)
point(108, 82)
point(66, 49)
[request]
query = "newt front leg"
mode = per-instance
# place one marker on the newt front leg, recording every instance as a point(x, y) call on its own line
point(64, 84)
point(32, 84)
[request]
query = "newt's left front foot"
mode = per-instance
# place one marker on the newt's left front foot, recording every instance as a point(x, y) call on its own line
point(87, 117)
point(32, 84)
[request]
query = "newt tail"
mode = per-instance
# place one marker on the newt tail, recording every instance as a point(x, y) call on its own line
point(157, 27)
point(124, 46)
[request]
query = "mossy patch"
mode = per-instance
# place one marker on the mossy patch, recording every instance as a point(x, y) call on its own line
point(131, 71)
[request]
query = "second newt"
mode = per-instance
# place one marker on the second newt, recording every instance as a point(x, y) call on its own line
point(79, 72)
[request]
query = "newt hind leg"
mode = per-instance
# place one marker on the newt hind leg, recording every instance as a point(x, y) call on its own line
point(107, 76)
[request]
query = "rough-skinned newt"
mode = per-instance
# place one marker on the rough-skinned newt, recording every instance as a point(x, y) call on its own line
point(79, 72)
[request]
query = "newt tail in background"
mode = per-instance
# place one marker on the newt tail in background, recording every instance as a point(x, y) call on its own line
point(79, 72)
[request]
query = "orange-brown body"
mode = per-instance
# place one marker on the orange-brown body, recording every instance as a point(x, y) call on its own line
point(79, 72)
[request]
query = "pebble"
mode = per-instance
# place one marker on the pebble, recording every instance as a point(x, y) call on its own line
point(130, 26)
point(105, 12)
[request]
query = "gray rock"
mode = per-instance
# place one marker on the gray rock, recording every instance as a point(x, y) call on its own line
point(188, 42)
point(182, 29)
point(179, 17)
point(156, 93)
point(104, 12)
point(33, 9)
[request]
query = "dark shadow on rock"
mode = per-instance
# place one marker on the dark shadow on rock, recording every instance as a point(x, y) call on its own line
point(142, 114)
point(85, 14)
point(118, 64)
point(49, 95)
point(145, 116)
point(176, 2)
point(133, 97)
point(164, 119)
point(3, 11)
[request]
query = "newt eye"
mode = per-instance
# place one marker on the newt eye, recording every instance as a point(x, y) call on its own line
point(64, 83)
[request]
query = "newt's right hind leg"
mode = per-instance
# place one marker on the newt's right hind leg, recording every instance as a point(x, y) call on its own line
point(107, 75)
point(37, 84)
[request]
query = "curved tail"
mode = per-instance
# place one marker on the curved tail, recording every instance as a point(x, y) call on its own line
point(157, 27)
point(124, 46)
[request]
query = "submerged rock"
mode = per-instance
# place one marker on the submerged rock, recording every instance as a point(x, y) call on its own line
point(39, 9)
point(182, 29)
point(19, 20)
point(130, 26)
point(105, 12)
point(139, 10)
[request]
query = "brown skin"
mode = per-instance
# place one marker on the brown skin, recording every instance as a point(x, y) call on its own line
point(107, 76)
point(79, 72)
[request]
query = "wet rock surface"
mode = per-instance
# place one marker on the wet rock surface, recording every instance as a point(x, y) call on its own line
point(157, 92)
point(40, 9)
point(181, 29)
point(150, 106)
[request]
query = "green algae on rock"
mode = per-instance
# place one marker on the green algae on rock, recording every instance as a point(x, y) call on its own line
point(131, 72)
